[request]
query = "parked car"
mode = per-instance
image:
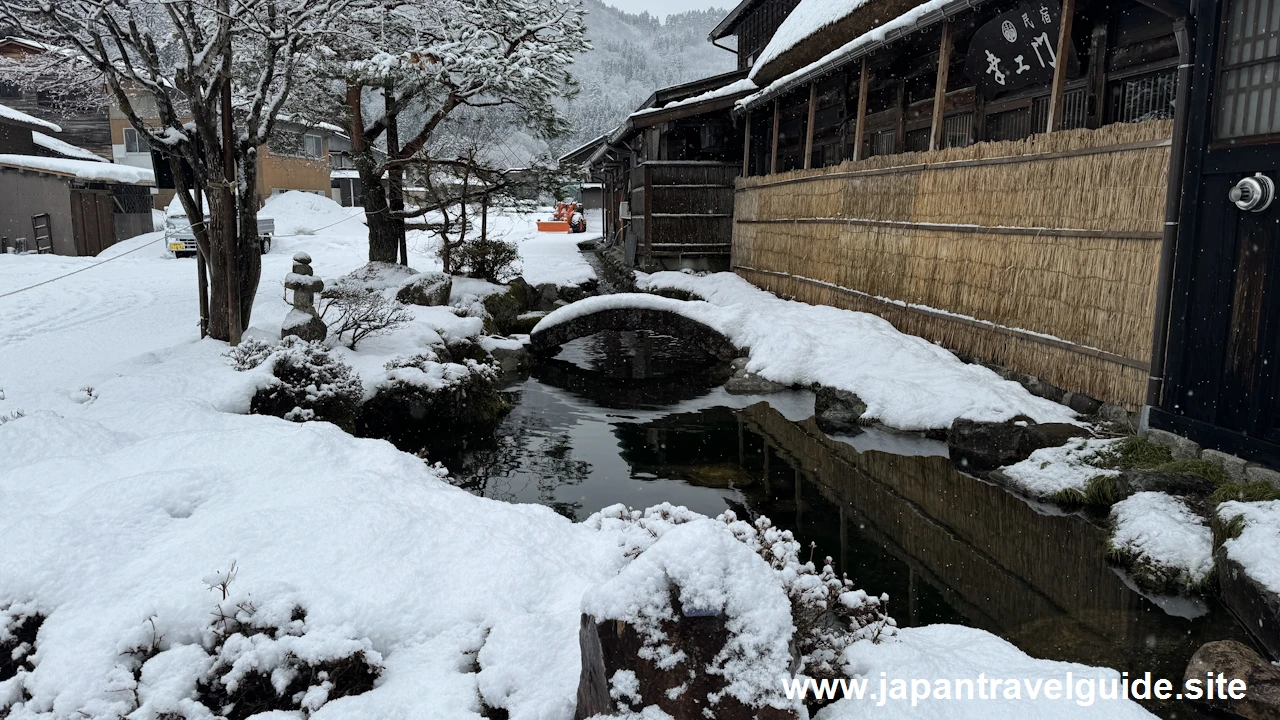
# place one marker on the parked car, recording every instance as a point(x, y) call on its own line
point(181, 241)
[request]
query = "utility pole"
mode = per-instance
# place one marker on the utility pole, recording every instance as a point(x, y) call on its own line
point(233, 234)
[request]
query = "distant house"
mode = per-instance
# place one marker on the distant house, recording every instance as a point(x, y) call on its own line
point(297, 158)
point(58, 203)
point(84, 128)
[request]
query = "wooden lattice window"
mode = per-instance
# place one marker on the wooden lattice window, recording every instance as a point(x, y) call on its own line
point(1249, 73)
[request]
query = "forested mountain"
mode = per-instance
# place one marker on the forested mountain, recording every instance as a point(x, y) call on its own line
point(632, 56)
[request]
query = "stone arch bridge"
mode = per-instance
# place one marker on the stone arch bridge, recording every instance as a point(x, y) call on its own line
point(691, 321)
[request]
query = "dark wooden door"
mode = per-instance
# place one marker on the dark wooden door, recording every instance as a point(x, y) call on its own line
point(1222, 383)
point(92, 221)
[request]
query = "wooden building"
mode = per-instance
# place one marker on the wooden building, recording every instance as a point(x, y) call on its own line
point(60, 205)
point(752, 23)
point(85, 128)
point(668, 175)
point(1026, 184)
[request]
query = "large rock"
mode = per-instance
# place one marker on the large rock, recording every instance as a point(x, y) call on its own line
point(1235, 660)
point(429, 289)
point(613, 645)
point(1256, 605)
point(838, 411)
point(504, 308)
point(1173, 483)
point(748, 383)
point(982, 446)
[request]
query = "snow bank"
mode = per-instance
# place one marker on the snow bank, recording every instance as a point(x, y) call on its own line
point(303, 213)
point(1049, 471)
point(1163, 538)
point(1257, 546)
point(64, 148)
point(11, 114)
point(949, 653)
point(906, 382)
point(82, 169)
point(113, 517)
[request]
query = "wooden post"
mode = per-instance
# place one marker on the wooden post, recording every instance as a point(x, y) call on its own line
point(746, 147)
point(861, 119)
point(900, 132)
point(808, 128)
point(1060, 68)
point(1097, 75)
point(940, 90)
point(773, 159)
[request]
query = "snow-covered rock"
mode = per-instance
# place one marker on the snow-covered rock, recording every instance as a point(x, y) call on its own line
point(1165, 547)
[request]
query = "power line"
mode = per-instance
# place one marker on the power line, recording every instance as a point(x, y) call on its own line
point(73, 272)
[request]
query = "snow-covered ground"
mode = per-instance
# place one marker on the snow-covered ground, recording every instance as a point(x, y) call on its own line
point(906, 382)
point(134, 483)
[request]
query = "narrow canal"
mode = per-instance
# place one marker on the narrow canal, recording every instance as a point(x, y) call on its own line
point(633, 418)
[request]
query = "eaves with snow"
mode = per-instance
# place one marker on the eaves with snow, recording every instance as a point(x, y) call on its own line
point(80, 169)
point(822, 34)
point(31, 121)
point(65, 149)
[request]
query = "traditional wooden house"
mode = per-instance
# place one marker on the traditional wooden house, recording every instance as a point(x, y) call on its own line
point(1026, 184)
point(668, 173)
point(64, 205)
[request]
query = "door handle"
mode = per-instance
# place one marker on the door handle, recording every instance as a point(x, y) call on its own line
point(1253, 193)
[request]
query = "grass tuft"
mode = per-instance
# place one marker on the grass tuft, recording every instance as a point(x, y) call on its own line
point(1245, 492)
point(1132, 453)
point(1104, 490)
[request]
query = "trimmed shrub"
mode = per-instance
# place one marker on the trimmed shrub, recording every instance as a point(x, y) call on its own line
point(310, 384)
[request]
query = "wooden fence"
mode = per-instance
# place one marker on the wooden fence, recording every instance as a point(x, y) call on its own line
point(1037, 255)
point(682, 211)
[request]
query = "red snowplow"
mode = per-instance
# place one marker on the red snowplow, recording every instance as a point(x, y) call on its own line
point(568, 219)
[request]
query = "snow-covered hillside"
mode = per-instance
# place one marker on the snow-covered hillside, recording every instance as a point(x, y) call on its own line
point(633, 55)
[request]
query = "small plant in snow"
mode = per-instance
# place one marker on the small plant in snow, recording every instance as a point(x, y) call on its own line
point(830, 614)
point(12, 415)
point(354, 313)
point(490, 258)
point(311, 383)
point(249, 354)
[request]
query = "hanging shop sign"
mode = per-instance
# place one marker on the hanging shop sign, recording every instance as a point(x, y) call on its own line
point(1018, 48)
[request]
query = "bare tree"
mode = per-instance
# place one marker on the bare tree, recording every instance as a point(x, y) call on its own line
point(170, 66)
point(400, 70)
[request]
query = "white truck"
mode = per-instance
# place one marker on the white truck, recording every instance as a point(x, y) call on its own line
point(181, 241)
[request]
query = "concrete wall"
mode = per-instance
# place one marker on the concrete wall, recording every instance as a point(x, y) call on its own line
point(27, 194)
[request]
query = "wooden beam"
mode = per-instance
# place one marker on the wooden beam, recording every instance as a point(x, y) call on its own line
point(940, 90)
point(1060, 66)
point(860, 121)
point(808, 128)
point(773, 158)
point(746, 147)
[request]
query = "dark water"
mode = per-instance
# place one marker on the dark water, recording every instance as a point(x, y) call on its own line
point(632, 418)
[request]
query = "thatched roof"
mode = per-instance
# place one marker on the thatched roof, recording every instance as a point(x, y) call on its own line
point(817, 28)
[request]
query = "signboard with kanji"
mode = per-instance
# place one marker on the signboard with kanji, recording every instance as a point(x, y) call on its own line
point(1018, 48)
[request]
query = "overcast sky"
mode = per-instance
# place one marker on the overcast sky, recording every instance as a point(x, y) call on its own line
point(662, 7)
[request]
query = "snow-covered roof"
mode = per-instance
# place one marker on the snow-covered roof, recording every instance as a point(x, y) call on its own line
point(350, 174)
point(734, 88)
point(81, 169)
point(809, 17)
point(9, 113)
point(63, 148)
point(925, 13)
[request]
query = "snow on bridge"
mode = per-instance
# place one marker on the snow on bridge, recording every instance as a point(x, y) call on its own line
point(696, 322)
point(907, 382)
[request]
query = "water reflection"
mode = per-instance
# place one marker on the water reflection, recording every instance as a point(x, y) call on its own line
point(945, 546)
